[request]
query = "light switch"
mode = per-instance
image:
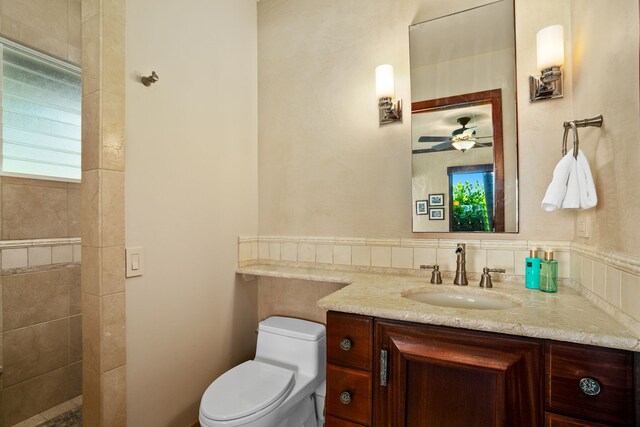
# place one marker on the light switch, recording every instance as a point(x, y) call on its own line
point(135, 261)
point(583, 227)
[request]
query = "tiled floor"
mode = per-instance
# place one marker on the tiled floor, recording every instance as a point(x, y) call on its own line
point(71, 412)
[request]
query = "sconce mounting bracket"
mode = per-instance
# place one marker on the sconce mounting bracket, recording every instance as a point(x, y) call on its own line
point(390, 110)
point(545, 88)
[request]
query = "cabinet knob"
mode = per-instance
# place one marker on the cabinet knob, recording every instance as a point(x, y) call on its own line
point(345, 344)
point(345, 397)
point(589, 386)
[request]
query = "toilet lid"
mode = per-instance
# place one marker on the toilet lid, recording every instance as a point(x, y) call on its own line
point(246, 389)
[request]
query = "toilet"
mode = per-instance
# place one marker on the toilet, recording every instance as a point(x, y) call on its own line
point(283, 386)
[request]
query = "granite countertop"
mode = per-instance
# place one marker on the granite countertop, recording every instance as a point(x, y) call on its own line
point(563, 316)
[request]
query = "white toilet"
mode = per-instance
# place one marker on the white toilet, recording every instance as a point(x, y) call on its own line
point(283, 386)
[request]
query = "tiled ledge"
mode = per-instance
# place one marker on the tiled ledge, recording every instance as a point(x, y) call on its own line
point(397, 253)
point(37, 254)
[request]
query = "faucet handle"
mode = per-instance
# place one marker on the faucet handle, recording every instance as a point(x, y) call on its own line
point(485, 279)
point(436, 276)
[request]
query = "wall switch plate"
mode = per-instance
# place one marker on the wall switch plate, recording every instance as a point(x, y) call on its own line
point(135, 261)
point(583, 227)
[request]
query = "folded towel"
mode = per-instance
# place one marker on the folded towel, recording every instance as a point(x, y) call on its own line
point(558, 188)
point(572, 185)
point(588, 196)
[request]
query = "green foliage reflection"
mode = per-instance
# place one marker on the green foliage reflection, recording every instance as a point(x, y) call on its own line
point(470, 207)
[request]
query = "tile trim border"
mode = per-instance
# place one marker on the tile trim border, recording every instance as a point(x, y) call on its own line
point(623, 262)
point(29, 243)
point(30, 255)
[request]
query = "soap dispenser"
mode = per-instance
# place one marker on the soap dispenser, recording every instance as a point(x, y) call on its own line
point(549, 273)
point(532, 270)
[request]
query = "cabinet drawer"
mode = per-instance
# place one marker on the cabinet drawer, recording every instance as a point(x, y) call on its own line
point(567, 364)
point(349, 340)
point(349, 394)
point(555, 420)
point(339, 422)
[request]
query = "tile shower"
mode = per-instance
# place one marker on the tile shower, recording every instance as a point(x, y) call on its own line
point(41, 321)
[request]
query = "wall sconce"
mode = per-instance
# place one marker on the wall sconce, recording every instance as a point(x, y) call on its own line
point(550, 46)
point(390, 109)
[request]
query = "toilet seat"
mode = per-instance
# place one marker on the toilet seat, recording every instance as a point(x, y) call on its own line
point(246, 389)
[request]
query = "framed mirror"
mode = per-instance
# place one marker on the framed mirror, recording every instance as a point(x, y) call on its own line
point(463, 121)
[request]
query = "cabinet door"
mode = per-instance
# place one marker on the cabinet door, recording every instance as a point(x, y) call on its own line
point(444, 377)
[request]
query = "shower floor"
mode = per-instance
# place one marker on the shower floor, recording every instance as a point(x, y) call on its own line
point(67, 414)
point(72, 418)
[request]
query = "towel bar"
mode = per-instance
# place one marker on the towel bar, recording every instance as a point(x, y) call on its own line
point(575, 124)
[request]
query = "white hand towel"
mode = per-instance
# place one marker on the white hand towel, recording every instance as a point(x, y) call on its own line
point(588, 196)
point(572, 197)
point(558, 188)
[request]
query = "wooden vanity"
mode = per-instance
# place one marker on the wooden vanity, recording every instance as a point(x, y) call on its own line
point(443, 376)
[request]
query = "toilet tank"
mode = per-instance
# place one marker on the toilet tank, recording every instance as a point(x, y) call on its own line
point(293, 342)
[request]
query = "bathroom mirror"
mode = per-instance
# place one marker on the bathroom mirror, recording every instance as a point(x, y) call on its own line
point(463, 121)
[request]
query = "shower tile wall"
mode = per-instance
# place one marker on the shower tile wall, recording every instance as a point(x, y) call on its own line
point(40, 320)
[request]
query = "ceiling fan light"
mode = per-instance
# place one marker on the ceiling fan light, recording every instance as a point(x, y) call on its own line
point(464, 144)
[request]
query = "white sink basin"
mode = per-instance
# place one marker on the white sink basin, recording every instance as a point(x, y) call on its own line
point(476, 299)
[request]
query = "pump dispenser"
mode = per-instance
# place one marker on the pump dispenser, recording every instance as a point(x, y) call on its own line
point(532, 270)
point(549, 273)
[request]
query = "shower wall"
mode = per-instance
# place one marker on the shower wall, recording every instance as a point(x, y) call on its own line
point(41, 340)
point(40, 318)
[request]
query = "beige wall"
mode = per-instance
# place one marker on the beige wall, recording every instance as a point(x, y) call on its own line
point(326, 168)
point(606, 57)
point(191, 189)
point(293, 298)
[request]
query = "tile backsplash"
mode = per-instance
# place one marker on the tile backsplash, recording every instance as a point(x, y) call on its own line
point(609, 279)
point(403, 254)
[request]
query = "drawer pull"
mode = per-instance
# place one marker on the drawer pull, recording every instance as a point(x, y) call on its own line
point(345, 344)
point(589, 386)
point(345, 397)
point(383, 367)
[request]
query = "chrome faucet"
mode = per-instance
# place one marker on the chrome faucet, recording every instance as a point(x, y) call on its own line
point(461, 272)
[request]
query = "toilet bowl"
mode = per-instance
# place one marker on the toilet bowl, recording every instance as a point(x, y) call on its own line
point(278, 387)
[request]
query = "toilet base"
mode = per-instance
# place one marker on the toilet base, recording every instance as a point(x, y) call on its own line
point(304, 415)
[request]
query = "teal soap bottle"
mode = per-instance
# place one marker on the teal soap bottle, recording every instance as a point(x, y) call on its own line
point(549, 273)
point(532, 270)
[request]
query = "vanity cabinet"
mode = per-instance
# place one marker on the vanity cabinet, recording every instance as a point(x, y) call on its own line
point(391, 373)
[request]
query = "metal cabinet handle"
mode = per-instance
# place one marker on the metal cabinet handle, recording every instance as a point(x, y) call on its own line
point(589, 386)
point(383, 367)
point(345, 397)
point(345, 344)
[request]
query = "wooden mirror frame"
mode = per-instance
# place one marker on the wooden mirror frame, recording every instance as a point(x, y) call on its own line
point(494, 98)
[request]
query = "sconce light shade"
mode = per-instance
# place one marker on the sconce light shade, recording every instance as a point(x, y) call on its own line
point(550, 59)
point(384, 81)
point(390, 109)
point(550, 46)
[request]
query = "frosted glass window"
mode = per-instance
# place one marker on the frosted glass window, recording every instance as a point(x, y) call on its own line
point(41, 113)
